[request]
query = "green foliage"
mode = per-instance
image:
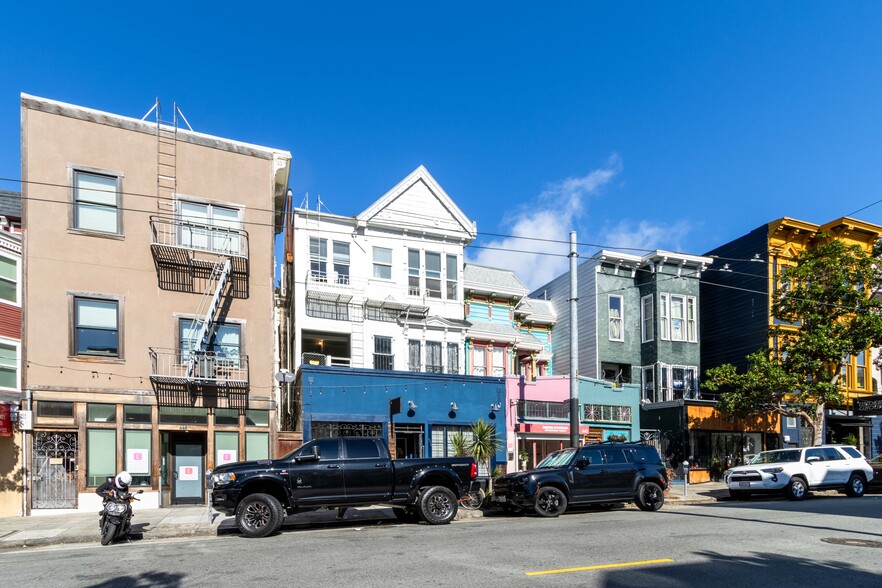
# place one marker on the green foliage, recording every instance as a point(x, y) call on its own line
point(485, 442)
point(459, 444)
point(825, 310)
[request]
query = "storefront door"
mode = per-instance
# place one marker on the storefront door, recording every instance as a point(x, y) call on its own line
point(188, 468)
point(55, 469)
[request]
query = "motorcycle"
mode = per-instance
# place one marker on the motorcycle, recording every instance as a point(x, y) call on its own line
point(116, 516)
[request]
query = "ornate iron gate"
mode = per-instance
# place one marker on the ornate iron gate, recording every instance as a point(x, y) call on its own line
point(55, 470)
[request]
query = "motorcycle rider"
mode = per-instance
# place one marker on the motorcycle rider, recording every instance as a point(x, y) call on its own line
point(119, 484)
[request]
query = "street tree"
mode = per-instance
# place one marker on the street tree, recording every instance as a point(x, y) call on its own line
point(826, 310)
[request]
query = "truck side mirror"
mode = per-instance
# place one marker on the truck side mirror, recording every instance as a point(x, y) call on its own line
point(582, 463)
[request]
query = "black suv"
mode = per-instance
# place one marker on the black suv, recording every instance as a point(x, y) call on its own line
point(599, 473)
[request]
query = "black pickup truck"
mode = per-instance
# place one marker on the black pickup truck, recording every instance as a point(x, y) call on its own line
point(335, 473)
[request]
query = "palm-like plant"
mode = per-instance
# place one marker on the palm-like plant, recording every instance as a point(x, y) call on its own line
point(459, 444)
point(485, 442)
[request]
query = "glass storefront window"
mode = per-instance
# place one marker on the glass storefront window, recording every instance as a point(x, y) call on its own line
point(101, 413)
point(183, 416)
point(136, 414)
point(259, 418)
point(226, 416)
point(55, 409)
point(138, 457)
point(226, 448)
point(256, 446)
point(100, 456)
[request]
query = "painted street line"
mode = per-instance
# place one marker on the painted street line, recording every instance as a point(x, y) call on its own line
point(602, 567)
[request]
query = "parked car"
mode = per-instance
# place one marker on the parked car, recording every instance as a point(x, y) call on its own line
point(876, 464)
point(794, 472)
point(339, 473)
point(600, 473)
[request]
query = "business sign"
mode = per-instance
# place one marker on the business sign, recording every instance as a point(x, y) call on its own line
point(5, 420)
point(188, 473)
point(871, 405)
point(225, 456)
point(138, 461)
point(25, 420)
point(552, 429)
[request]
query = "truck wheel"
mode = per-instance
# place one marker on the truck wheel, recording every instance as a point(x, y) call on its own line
point(550, 502)
point(855, 486)
point(259, 515)
point(437, 505)
point(796, 489)
point(650, 497)
point(406, 515)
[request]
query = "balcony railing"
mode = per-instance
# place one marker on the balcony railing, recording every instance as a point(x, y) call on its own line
point(172, 232)
point(323, 359)
point(200, 367)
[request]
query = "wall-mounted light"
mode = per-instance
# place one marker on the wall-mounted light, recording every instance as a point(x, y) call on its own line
point(453, 406)
point(284, 376)
point(495, 407)
point(411, 404)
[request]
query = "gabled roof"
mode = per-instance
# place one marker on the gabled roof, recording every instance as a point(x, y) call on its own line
point(504, 333)
point(10, 203)
point(537, 310)
point(419, 204)
point(491, 280)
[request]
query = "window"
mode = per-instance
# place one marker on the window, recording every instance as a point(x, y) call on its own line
point(433, 274)
point(478, 361)
point(379, 313)
point(225, 339)
point(137, 456)
point(665, 386)
point(382, 263)
point(341, 262)
point(664, 313)
point(256, 446)
point(133, 413)
point(210, 227)
point(452, 279)
point(361, 448)
point(678, 315)
point(96, 327)
point(607, 412)
point(383, 358)
point(691, 329)
point(170, 415)
point(9, 279)
point(9, 366)
point(830, 454)
point(414, 349)
point(101, 413)
point(256, 418)
point(433, 357)
point(646, 319)
point(790, 422)
point(46, 408)
point(413, 272)
point(328, 449)
point(452, 358)
point(226, 416)
point(615, 319)
point(96, 203)
point(318, 259)
point(649, 384)
point(843, 372)
point(497, 361)
point(683, 382)
point(860, 371)
point(226, 447)
point(100, 456)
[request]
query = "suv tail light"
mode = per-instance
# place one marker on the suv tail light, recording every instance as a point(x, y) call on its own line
point(473, 472)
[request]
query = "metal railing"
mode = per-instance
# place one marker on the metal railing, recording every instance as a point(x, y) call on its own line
point(173, 232)
point(208, 367)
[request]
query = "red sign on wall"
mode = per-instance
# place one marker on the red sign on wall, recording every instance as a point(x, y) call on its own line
point(5, 420)
point(553, 429)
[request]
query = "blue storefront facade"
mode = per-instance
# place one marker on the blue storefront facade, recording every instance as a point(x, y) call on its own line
point(340, 401)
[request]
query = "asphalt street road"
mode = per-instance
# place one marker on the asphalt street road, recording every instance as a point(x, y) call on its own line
point(826, 541)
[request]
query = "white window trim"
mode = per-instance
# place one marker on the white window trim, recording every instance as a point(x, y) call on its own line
point(643, 392)
point(651, 337)
point(683, 329)
point(663, 314)
point(18, 265)
point(692, 334)
point(621, 318)
point(375, 263)
point(17, 345)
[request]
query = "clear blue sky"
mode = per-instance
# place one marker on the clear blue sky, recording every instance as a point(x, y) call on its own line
point(677, 125)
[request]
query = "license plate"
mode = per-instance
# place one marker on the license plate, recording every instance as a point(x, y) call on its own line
point(744, 484)
point(500, 499)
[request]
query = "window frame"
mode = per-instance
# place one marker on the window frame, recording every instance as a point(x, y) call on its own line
point(663, 316)
point(239, 324)
point(73, 211)
point(15, 344)
point(379, 354)
point(433, 277)
point(73, 337)
point(413, 272)
point(17, 261)
point(619, 319)
point(318, 259)
point(212, 222)
point(452, 265)
point(647, 318)
point(338, 262)
point(381, 264)
point(681, 318)
point(434, 348)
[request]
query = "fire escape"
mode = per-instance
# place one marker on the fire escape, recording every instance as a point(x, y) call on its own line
point(196, 256)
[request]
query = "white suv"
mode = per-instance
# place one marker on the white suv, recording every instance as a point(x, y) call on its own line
point(794, 472)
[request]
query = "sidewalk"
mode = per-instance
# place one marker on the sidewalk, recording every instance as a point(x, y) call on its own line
point(199, 521)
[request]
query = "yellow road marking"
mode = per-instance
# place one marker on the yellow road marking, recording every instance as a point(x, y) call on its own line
point(602, 567)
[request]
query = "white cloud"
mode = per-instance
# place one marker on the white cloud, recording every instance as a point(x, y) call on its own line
point(644, 235)
point(552, 216)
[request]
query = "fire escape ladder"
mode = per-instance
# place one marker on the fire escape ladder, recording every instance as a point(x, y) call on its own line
point(220, 277)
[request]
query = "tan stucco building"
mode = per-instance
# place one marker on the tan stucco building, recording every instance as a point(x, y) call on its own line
point(148, 340)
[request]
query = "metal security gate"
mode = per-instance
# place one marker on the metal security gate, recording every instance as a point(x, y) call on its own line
point(55, 470)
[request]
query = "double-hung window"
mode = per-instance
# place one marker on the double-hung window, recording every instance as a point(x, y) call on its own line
point(97, 205)
point(646, 319)
point(225, 339)
point(414, 349)
point(478, 361)
point(497, 358)
point(96, 327)
point(664, 314)
point(691, 330)
point(210, 227)
point(9, 365)
point(383, 358)
point(9, 279)
point(649, 384)
point(433, 274)
point(382, 263)
point(616, 331)
point(678, 316)
point(452, 358)
point(413, 272)
point(341, 262)
point(452, 279)
point(433, 357)
point(318, 259)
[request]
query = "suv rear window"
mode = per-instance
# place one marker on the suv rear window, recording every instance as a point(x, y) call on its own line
point(645, 454)
point(852, 452)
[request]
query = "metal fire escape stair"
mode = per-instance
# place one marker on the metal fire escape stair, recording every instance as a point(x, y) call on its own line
point(220, 276)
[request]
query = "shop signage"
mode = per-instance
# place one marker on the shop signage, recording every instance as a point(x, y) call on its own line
point(552, 429)
point(871, 405)
point(188, 473)
point(5, 420)
point(225, 456)
point(138, 461)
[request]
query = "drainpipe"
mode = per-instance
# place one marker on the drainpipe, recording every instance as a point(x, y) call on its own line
point(24, 458)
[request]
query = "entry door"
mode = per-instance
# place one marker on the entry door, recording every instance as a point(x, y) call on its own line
point(55, 470)
point(188, 475)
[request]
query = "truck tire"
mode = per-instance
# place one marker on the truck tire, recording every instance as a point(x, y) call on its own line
point(259, 515)
point(437, 505)
point(550, 502)
point(855, 487)
point(796, 489)
point(650, 496)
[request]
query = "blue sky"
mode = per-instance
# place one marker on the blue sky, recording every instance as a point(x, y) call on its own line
point(676, 125)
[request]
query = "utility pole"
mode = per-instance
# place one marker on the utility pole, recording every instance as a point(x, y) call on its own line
point(574, 345)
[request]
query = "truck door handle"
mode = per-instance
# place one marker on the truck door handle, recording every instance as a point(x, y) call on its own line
point(333, 467)
point(379, 465)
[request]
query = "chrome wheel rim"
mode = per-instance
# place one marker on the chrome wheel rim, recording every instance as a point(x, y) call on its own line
point(257, 515)
point(857, 485)
point(798, 489)
point(440, 505)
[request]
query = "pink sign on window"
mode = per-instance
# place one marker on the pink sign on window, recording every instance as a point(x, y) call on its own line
point(188, 473)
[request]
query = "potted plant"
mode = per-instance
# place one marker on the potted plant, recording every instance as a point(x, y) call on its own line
point(523, 458)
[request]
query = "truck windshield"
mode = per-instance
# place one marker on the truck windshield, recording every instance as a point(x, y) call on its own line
point(785, 455)
point(558, 459)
